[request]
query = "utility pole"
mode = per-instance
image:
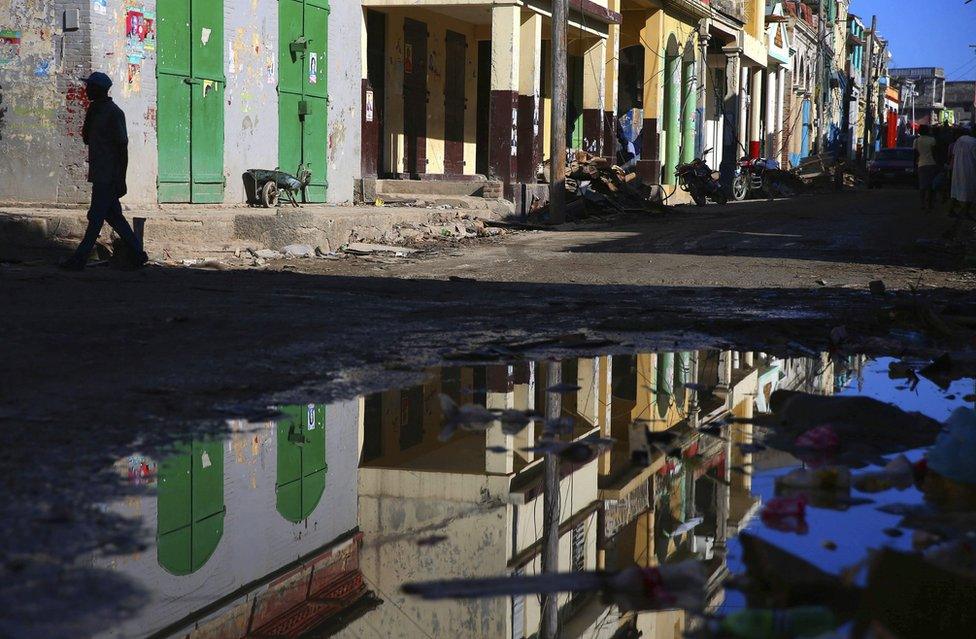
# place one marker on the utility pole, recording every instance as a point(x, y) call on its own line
point(822, 84)
point(549, 624)
point(869, 85)
point(557, 123)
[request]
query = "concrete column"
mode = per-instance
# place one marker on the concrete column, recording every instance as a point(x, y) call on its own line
point(499, 463)
point(771, 80)
point(747, 96)
point(730, 127)
point(529, 99)
point(748, 359)
point(781, 98)
point(700, 98)
point(649, 166)
point(610, 86)
point(755, 114)
point(689, 104)
point(594, 77)
point(588, 379)
point(725, 370)
point(506, 24)
point(672, 117)
point(694, 403)
point(605, 410)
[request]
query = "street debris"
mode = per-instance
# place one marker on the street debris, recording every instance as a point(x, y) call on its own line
point(298, 250)
point(363, 248)
point(596, 187)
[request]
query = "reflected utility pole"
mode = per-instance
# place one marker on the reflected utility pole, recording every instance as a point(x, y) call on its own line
point(557, 121)
point(869, 103)
point(549, 624)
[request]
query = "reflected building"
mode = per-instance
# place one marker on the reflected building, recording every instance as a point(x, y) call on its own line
point(482, 508)
point(479, 494)
point(253, 535)
point(312, 522)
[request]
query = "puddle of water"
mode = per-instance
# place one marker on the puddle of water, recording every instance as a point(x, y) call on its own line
point(309, 524)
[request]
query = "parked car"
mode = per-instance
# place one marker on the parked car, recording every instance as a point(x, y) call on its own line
point(892, 166)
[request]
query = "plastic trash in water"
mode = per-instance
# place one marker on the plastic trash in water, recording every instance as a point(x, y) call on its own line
point(786, 514)
point(954, 454)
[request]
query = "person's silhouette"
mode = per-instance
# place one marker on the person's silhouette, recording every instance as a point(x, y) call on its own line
point(108, 160)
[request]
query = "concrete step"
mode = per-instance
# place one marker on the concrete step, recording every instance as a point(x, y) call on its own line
point(479, 187)
point(192, 231)
point(468, 203)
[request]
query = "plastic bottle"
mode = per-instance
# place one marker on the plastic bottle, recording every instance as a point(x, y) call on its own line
point(804, 621)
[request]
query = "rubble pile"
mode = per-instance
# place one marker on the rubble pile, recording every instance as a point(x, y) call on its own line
point(595, 187)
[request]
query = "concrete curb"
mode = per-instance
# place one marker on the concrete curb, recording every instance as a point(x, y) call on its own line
point(187, 231)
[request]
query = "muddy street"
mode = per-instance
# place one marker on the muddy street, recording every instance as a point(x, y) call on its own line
point(209, 440)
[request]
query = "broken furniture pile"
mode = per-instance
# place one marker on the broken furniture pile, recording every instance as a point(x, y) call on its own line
point(595, 187)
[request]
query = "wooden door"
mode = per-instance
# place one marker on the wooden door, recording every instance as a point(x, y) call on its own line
point(415, 96)
point(455, 103)
point(374, 94)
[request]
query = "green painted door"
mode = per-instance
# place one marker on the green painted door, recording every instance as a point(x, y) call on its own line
point(190, 100)
point(301, 461)
point(574, 107)
point(303, 95)
point(190, 507)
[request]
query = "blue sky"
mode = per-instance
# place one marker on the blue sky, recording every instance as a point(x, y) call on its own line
point(932, 33)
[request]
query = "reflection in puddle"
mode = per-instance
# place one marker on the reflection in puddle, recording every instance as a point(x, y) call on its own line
point(313, 522)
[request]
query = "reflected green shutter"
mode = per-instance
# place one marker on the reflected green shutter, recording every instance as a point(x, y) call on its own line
point(301, 463)
point(190, 507)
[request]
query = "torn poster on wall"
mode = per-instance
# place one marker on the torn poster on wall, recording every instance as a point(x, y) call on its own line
point(140, 34)
point(9, 46)
point(100, 6)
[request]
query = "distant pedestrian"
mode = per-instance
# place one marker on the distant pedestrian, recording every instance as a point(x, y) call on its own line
point(926, 166)
point(964, 175)
point(108, 160)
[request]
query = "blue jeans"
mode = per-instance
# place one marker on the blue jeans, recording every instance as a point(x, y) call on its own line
point(105, 207)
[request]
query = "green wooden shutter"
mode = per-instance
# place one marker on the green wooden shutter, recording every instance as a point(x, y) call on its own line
point(301, 461)
point(316, 135)
point(303, 33)
point(207, 134)
point(190, 507)
point(173, 96)
point(190, 100)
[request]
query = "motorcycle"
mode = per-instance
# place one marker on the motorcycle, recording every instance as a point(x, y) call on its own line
point(760, 175)
point(696, 178)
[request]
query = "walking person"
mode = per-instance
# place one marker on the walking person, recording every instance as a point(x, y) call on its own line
point(964, 175)
point(926, 166)
point(105, 135)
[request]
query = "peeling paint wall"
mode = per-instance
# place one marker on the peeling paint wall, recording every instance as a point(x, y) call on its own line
point(345, 87)
point(123, 45)
point(41, 155)
point(251, 111)
point(42, 98)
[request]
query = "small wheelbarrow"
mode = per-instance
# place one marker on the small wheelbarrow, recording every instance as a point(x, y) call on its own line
point(265, 188)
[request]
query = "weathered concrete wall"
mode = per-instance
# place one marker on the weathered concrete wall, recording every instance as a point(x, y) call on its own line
point(123, 45)
point(41, 155)
point(251, 112)
point(42, 100)
point(345, 67)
